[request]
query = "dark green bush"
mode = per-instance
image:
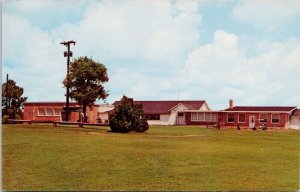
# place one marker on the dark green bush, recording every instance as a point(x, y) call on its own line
point(128, 117)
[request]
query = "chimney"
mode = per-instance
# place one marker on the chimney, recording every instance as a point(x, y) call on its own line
point(230, 104)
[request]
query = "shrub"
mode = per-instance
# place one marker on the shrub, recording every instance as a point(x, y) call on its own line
point(5, 119)
point(128, 117)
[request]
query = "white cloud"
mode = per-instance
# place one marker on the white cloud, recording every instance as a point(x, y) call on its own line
point(46, 13)
point(188, 6)
point(114, 32)
point(152, 51)
point(222, 70)
point(270, 14)
point(34, 59)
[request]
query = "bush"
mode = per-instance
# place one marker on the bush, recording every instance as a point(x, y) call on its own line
point(5, 119)
point(128, 117)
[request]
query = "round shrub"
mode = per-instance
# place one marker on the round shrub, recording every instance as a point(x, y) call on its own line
point(128, 117)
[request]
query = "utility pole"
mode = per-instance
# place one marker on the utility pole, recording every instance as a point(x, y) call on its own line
point(68, 54)
point(6, 87)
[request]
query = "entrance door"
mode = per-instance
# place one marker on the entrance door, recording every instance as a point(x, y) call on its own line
point(251, 122)
point(181, 119)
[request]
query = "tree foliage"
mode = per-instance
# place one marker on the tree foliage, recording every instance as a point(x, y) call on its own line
point(128, 117)
point(12, 101)
point(86, 82)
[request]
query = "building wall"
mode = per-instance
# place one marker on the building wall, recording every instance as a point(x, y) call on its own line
point(179, 107)
point(31, 112)
point(164, 120)
point(164, 117)
point(92, 114)
point(295, 122)
point(188, 120)
point(222, 118)
point(104, 117)
point(283, 119)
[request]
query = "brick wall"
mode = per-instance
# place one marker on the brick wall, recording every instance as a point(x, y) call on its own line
point(188, 120)
point(283, 118)
point(31, 112)
point(222, 118)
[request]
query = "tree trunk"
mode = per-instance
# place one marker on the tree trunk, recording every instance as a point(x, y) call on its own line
point(84, 113)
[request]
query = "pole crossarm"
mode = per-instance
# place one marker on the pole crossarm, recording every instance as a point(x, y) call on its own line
point(66, 43)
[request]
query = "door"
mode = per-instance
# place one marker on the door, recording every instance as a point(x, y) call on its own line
point(181, 119)
point(251, 122)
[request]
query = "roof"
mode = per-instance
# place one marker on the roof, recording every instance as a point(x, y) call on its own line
point(296, 112)
point(262, 108)
point(164, 107)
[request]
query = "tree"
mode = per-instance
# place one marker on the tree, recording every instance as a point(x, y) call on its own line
point(12, 101)
point(128, 117)
point(86, 79)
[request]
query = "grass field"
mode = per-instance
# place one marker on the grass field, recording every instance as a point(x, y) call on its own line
point(41, 157)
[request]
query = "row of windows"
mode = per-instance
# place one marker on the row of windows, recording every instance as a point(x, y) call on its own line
point(49, 112)
point(263, 118)
point(153, 117)
point(205, 117)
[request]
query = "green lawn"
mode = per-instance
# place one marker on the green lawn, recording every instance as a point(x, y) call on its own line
point(41, 157)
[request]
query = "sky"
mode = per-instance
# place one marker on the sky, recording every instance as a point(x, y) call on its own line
point(212, 50)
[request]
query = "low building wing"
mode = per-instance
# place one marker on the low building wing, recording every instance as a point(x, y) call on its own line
point(286, 109)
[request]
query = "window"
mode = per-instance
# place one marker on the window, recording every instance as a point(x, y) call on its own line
point(49, 112)
point(153, 117)
point(263, 118)
point(194, 116)
point(230, 118)
point(211, 117)
point(56, 112)
point(242, 118)
point(275, 118)
point(207, 117)
point(214, 117)
point(201, 116)
point(41, 112)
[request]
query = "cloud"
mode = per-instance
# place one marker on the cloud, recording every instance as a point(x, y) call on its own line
point(270, 14)
point(32, 58)
point(145, 37)
point(46, 14)
point(152, 50)
point(221, 71)
point(155, 43)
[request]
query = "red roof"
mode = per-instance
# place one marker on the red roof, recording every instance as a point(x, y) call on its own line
point(261, 108)
point(163, 107)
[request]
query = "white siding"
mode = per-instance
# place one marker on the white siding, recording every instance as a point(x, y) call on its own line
point(179, 107)
point(295, 122)
point(103, 117)
point(164, 120)
point(164, 117)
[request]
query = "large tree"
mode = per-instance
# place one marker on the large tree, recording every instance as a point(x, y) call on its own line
point(86, 82)
point(127, 117)
point(12, 101)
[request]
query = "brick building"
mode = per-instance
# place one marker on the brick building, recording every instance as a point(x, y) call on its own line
point(195, 112)
point(199, 113)
point(254, 116)
point(53, 111)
